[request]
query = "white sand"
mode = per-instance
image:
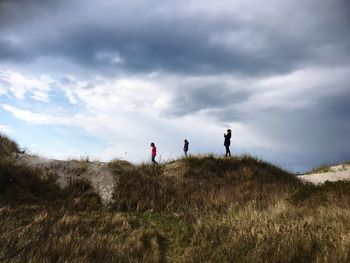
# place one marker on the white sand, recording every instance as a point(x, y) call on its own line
point(64, 171)
point(337, 173)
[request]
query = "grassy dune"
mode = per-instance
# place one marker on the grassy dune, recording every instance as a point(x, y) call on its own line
point(199, 209)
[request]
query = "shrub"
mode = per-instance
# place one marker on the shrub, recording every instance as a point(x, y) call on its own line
point(8, 147)
point(21, 184)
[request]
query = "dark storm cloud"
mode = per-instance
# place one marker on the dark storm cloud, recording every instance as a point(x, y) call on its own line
point(308, 136)
point(10, 51)
point(191, 99)
point(147, 39)
point(252, 40)
point(318, 135)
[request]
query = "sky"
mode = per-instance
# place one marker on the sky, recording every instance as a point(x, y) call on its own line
point(105, 78)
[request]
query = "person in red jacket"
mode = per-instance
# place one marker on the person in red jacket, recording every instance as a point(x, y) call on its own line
point(154, 153)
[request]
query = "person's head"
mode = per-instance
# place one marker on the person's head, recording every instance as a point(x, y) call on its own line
point(228, 130)
point(185, 140)
point(152, 144)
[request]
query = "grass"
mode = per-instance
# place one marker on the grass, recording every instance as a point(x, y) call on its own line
point(199, 184)
point(198, 209)
point(8, 147)
point(327, 168)
point(324, 168)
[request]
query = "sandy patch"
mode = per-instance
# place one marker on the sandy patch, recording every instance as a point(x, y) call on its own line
point(337, 173)
point(97, 173)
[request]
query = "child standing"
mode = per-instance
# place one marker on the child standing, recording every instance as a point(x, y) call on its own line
point(154, 153)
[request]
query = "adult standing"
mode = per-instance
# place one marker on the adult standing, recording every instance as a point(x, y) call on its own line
point(186, 143)
point(227, 142)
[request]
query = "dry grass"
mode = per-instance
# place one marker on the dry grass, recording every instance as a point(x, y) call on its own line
point(48, 235)
point(280, 233)
point(8, 147)
point(200, 184)
point(199, 209)
point(324, 168)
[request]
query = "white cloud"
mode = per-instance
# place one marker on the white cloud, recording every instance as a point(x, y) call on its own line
point(3, 90)
point(71, 97)
point(107, 95)
point(19, 85)
point(5, 129)
point(40, 96)
point(35, 118)
point(131, 133)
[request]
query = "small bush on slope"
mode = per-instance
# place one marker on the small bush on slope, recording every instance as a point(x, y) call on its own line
point(326, 168)
point(22, 184)
point(8, 147)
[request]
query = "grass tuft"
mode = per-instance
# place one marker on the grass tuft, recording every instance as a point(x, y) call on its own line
point(8, 147)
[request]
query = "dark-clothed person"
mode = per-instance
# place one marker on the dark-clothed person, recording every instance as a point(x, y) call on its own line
point(227, 142)
point(186, 143)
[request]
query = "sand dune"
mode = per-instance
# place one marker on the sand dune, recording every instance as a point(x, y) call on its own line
point(336, 173)
point(102, 179)
point(64, 171)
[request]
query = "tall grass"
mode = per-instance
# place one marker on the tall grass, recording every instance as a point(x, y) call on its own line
point(8, 147)
point(200, 184)
point(198, 209)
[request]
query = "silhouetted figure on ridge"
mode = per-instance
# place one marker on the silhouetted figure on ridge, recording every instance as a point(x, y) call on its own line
point(154, 153)
point(227, 142)
point(186, 143)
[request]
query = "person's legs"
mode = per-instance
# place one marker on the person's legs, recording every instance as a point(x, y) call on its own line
point(228, 152)
point(185, 153)
point(154, 160)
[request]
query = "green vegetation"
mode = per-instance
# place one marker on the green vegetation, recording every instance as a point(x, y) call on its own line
point(80, 169)
point(327, 168)
point(7, 147)
point(324, 168)
point(199, 209)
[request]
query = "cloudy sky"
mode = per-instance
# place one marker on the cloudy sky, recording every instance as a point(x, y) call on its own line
point(106, 78)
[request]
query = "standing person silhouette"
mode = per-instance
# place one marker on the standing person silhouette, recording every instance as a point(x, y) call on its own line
point(154, 153)
point(186, 143)
point(227, 142)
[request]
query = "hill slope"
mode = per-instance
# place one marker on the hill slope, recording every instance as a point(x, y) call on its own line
point(64, 172)
point(199, 209)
